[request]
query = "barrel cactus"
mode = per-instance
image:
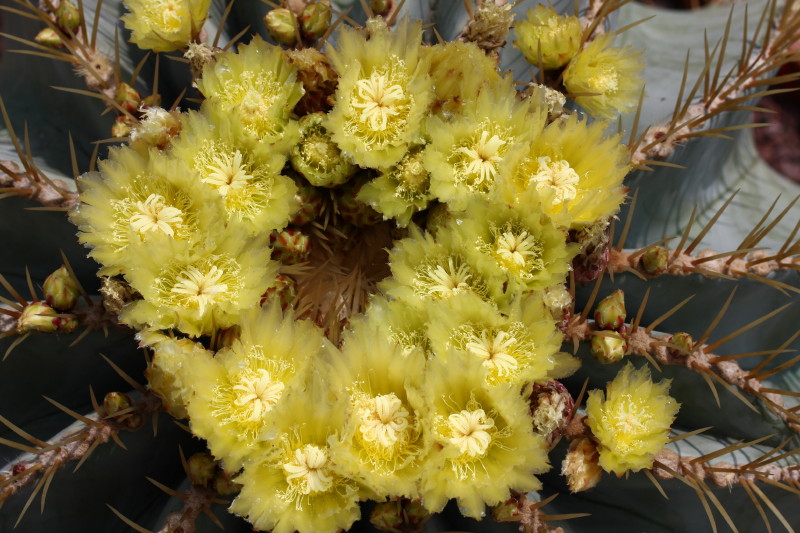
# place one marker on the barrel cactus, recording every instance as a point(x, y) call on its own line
point(396, 265)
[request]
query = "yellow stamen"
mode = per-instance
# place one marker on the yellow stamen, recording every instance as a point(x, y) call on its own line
point(155, 215)
point(470, 431)
point(558, 177)
point(383, 420)
point(258, 393)
point(378, 101)
point(202, 288)
point(308, 470)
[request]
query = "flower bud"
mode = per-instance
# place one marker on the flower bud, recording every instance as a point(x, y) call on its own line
point(38, 316)
point(353, 210)
point(684, 343)
point(202, 469)
point(284, 289)
point(551, 409)
point(610, 312)
point(655, 260)
point(224, 485)
point(120, 128)
point(114, 402)
point(380, 7)
point(315, 20)
point(68, 16)
point(66, 324)
point(281, 24)
point(61, 290)
point(128, 98)
point(319, 79)
point(509, 510)
point(608, 348)
point(49, 37)
point(317, 157)
point(581, 465)
point(311, 201)
point(397, 516)
point(290, 246)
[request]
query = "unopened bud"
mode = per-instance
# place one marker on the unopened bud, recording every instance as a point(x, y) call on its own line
point(290, 246)
point(608, 347)
point(315, 20)
point(380, 7)
point(68, 15)
point(120, 128)
point(66, 323)
point(551, 408)
point(397, 516)
point(610, 312)
point(128, 98)
point(115, 402)
point(38, 316)
point(224, 485)
point(61, 289)
point(311, 202)
point(284, 289)
point(581, 465)
point(509, 510)
point(49, 37)
point(684, 344)
point(281, 24)
point(202, 469)
point(655, 260)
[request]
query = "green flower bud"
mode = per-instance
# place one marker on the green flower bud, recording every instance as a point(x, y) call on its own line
point(284, 289)
point(37, 316)
point(128, 98)
point(353, 210)
point(509, 510)
point(684, 343)
point(61, 289)
point(610, 312)
point(114, 402)
point(202, 469)
point(655, 260)
point(290, 246)
point(311, 201)
point(315, 20)
point(381, 7)
point(608, 349)
point(281, 24)
point(317, 157)
point(581, 465)
point(68, 16)
point(49, 37)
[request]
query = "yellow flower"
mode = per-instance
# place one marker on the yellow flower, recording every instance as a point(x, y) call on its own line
point(573, 170)
point(459, 71)
point(383, 93)
point(164, 25)
point(245, 175)
point(381, 444)
point(631, 421)
point(487, 446)
point(402, 324)
point(469, 154)
point(611, 74)
point(296, 487)
point(139, 198)
point(198, 290)
point(238, 394)
point(558, 38)
point(317, 157)
point(258, 86)
point(518, 348)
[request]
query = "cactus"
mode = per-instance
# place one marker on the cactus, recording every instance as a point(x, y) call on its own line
point(342, 287)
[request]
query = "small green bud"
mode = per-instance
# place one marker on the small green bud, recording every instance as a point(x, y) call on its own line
point(114, 402)
point(581, 466)
point(608, 349)
point(655, 260)
point(128, 98)
point(281, 24)
point(224, 485)
point(284, 289)
point(66, 324)
point(120, 128)
point(61, 290)
point(380, 7)
point(38, 316)
point(202, 469)
point(290, 246)
point(315, 20)
point(684, 342)
point(68, 16)
point(49, 37)
point(311, 201)
point(610, 312)
point(509, 510)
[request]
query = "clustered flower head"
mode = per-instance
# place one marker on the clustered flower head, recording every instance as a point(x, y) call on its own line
point(423, 396)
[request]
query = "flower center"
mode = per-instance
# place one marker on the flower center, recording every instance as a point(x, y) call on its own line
point(201, 288)
point(514, 250)
point(495, 352)
point(155, 215)
point(378, 100)
point(629, 423)
point(605, 81)
point(482, 158)
point(558, 177)
point(470, 431)
point(308, 470)
point(444, 281)
point(258, 393)
point(226, 173)
point(384, 418)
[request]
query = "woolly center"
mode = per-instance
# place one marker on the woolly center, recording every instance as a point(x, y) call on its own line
point(155, 215)
point(556, 177)
point(495, 350)
point(378, 100)
point(258, 393)
point(201, 288)
point(384, 419)
point(308, 471)
point(470, 431)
